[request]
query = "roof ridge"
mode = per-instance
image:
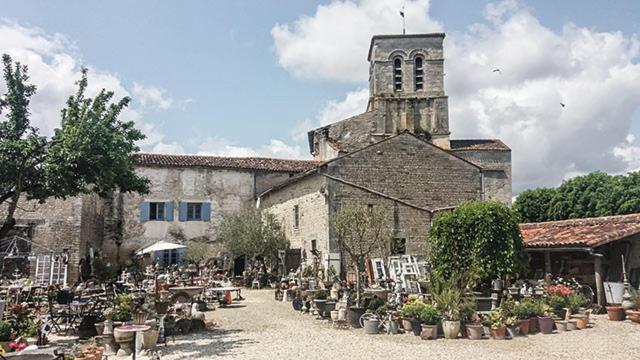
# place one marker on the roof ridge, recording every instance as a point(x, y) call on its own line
point(635, 217)
point(225, 157)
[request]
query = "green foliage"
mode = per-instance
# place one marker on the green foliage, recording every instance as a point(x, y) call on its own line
point(123, 306)
point(375, 303)
point(448, 298)
point(522, 311)
point(252, 233)
point(575, 301)
point(533, 307)
point(321, 294)
point(103, 271)
point(89, 153)
point(557, 301)
point(430, 315)
point(467, 309)
point(413, 310)
point(5, 330)
point(198, 252)
point(592, 195)
point(478, 237)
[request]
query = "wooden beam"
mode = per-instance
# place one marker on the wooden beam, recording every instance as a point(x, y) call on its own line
point(597, 266)
point(547, 263)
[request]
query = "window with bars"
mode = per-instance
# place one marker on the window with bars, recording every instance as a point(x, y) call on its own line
point(397, 74)
point(418, 73)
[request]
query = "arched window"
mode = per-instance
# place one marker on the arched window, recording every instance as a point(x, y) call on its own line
point(397, 74)
point(418, 73)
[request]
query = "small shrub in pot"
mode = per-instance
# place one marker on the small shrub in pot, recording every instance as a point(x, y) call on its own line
point(430, 317)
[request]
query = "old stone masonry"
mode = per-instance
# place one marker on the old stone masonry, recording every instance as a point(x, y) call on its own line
point(397, 156)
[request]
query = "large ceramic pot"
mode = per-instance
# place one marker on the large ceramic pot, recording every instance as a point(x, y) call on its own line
point(451, 329)
point(582, 321)
point(499, 332)
point(475, 332)
point(406, 325)
point(354, 316)
point(416, 327)
point(124, 340)
point(572, 325)
point(533, 325)
point(561, 325)
point(371, 326)
point(545, 324)
point(615, 313)
point(149, 339)
point(524, 326)
point(429, 332)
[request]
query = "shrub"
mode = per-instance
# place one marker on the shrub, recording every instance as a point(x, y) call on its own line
point(430, 315)
point(448, 299)
point(374, 304)
point(557, 301)
point(321, 294)
point(575, 301)
point(123, 305)
point(467, 309)
point(482, 237)
point(521, 311)
point(5, 330)
point(413, 310)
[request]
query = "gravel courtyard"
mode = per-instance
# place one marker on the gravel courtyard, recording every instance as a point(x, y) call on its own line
point(261, 328)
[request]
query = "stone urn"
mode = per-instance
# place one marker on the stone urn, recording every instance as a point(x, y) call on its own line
point(124, 340)
point(450, 328)
point(149, 339)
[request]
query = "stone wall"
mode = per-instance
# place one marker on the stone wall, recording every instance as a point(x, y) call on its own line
point(227, 191)
point(411, 169)
point(309, 196)
point(496, 166)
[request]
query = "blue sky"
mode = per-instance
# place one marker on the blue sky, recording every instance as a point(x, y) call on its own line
point(218, 77)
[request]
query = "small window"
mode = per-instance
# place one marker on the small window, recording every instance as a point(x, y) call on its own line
point(397, 74)
point(418, 74)
point(398, 246)
point(194, 211)
point(156, 211)
point(314, 245)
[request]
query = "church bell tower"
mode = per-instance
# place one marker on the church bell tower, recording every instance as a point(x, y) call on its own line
point(406, 84)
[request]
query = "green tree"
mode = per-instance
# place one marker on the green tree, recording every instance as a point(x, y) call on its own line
point(198, 252)
point(90, 153)
point(533, 205)
point(252, 233)
point(477, 237)
point(360, 231)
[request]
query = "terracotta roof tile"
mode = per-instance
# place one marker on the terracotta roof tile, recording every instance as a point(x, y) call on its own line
point(477, 144)
point(588, 232)
point(251, 163)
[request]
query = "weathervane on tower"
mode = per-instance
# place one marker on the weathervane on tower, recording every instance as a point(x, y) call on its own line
point(403, 22)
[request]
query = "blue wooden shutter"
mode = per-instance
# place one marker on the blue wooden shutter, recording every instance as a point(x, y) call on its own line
point(182, 211)
point(144, 211)
point(168, 211)
point(206, 211)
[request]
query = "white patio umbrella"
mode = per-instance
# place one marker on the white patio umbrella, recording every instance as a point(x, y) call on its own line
point(160, 246)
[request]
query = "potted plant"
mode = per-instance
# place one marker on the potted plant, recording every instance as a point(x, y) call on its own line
point(545, 322)
point(615, 312)
point(634, 314)
point(412, 312)
point(521, 312)
point(6, 332)
point(320, 300)
point(497, 324)
point(475, 329)
point(447, 299)
point(536, 308)
point(429, 317)
point(558, 303)
point(378, 308)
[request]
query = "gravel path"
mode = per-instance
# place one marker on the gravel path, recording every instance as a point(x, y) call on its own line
point(261, 328)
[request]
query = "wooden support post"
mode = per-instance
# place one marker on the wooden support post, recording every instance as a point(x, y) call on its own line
point(547, 263)
point(597, 267)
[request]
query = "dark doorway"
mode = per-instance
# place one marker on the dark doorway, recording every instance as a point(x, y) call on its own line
point(292, 260)
point(239, 265)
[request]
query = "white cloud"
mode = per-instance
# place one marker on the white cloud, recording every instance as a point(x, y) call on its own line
point(275, 149)
point(332, 44)
point(170, 148)
point(595, 74)
point(54, 66)
point(151, 96)
point(354, 103)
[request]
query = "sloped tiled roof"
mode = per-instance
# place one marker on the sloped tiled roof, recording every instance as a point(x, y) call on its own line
point(250, 163)
point(477, 144)
point(588, 232)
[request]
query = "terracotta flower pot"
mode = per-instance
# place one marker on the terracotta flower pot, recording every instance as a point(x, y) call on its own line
point(533, 325)
point(545, 324)
point(429, 332)
point(475, 332)
point(635, 317)
point(451, 329)
point(615, 313)
point(582, 321)
point(524, 326)
point(499, 332)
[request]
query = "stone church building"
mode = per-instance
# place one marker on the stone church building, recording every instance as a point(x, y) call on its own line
point(397, 155)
